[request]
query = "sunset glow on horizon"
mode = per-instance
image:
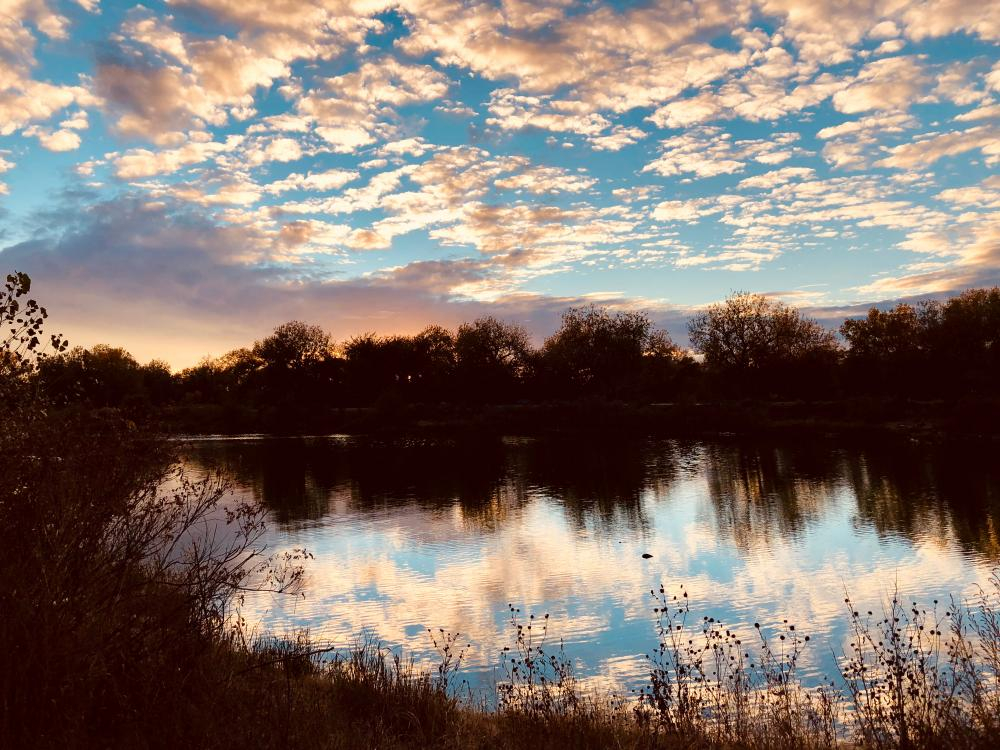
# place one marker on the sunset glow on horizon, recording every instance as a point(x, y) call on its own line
point(179, 177)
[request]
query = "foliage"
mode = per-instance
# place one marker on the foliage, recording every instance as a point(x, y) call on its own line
point(21, 322)
point(293, 346)
point(597, 351)
point(119, 573)
point(937, 348)
point(750, 331)
point(413, 367)
point(762, 345)
point(492, 356)
point(898, 333)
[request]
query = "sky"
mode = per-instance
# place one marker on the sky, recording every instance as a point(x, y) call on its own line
point(180, 177)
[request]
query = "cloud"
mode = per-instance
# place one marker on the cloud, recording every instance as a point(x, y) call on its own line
point(612, 60)
point(884, 30)
point(773, 87)
point(305, 29)
point(414, 146)
point(748, 258)
point(689, 211)
point(984, 112)
point(985, 195)
point(230, 71)
point(352, 110)
point(331, 179)
point(856, 143)
point(155, 102)
point(59, 140)
point(261, 151)
point(619, 137)
point(26, 101)
point(156, 33)
point(23, 98)
point(139, 163)
point(890, 47)
point(777, 177)
point(826, 31)
point(345, 139)
point(691, 111)
point(958, 83)
point(526, 240)
point(512, 111)
point(936, 18)
point(930, 148)
point(977, 246)
point(862, 200)
point(159, 81)
point(887, 84)
point(540, 180)
point(992, 78)
point(444, 196)
point(710, 151)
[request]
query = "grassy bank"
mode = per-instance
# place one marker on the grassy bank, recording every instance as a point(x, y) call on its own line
point(936, 690)
point(911, 678)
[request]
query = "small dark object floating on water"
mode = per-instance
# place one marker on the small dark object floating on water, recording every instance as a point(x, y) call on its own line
point(646, 555)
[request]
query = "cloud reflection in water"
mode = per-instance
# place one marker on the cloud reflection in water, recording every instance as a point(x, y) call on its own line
point(418, 534)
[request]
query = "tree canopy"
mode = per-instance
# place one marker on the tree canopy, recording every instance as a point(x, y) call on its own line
point(598, 350)
point(750, 331)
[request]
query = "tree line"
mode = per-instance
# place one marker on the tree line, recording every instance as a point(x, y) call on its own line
point(748, 346)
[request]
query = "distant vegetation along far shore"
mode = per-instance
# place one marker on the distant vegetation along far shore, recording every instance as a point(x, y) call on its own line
point(747, 347)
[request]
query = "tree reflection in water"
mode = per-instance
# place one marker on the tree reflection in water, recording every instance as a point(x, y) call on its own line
point(419, 533)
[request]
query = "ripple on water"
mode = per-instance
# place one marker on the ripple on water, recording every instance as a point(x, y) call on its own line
point(755, 533)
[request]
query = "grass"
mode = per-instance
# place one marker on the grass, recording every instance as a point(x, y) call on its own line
point(119, 621)
point(912, 678)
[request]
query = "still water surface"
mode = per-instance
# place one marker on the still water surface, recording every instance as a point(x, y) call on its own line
point(410, 535)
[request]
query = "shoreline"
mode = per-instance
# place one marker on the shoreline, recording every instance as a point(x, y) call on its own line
point(925, 421)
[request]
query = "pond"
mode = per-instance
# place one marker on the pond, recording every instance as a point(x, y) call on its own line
point(410, 535)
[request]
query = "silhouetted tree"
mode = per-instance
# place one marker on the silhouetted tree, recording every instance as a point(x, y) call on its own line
point(378, 366)
point(295, 364)
point(202, 383)
point(411, 368)
point(599, 351)
point(21, 323)
point(231, 378)
point(668, 372)
point(294, 346)
point(492, 357)
point(934, 349)
point(436, 348)
point(897, 332)
point(768, 345)
point(157, 382)
point(965, 339)
point(886, 350)
point(100, 376)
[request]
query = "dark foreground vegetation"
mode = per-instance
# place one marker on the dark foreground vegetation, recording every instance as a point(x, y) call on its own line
point(755, 356)
point(120, 585)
